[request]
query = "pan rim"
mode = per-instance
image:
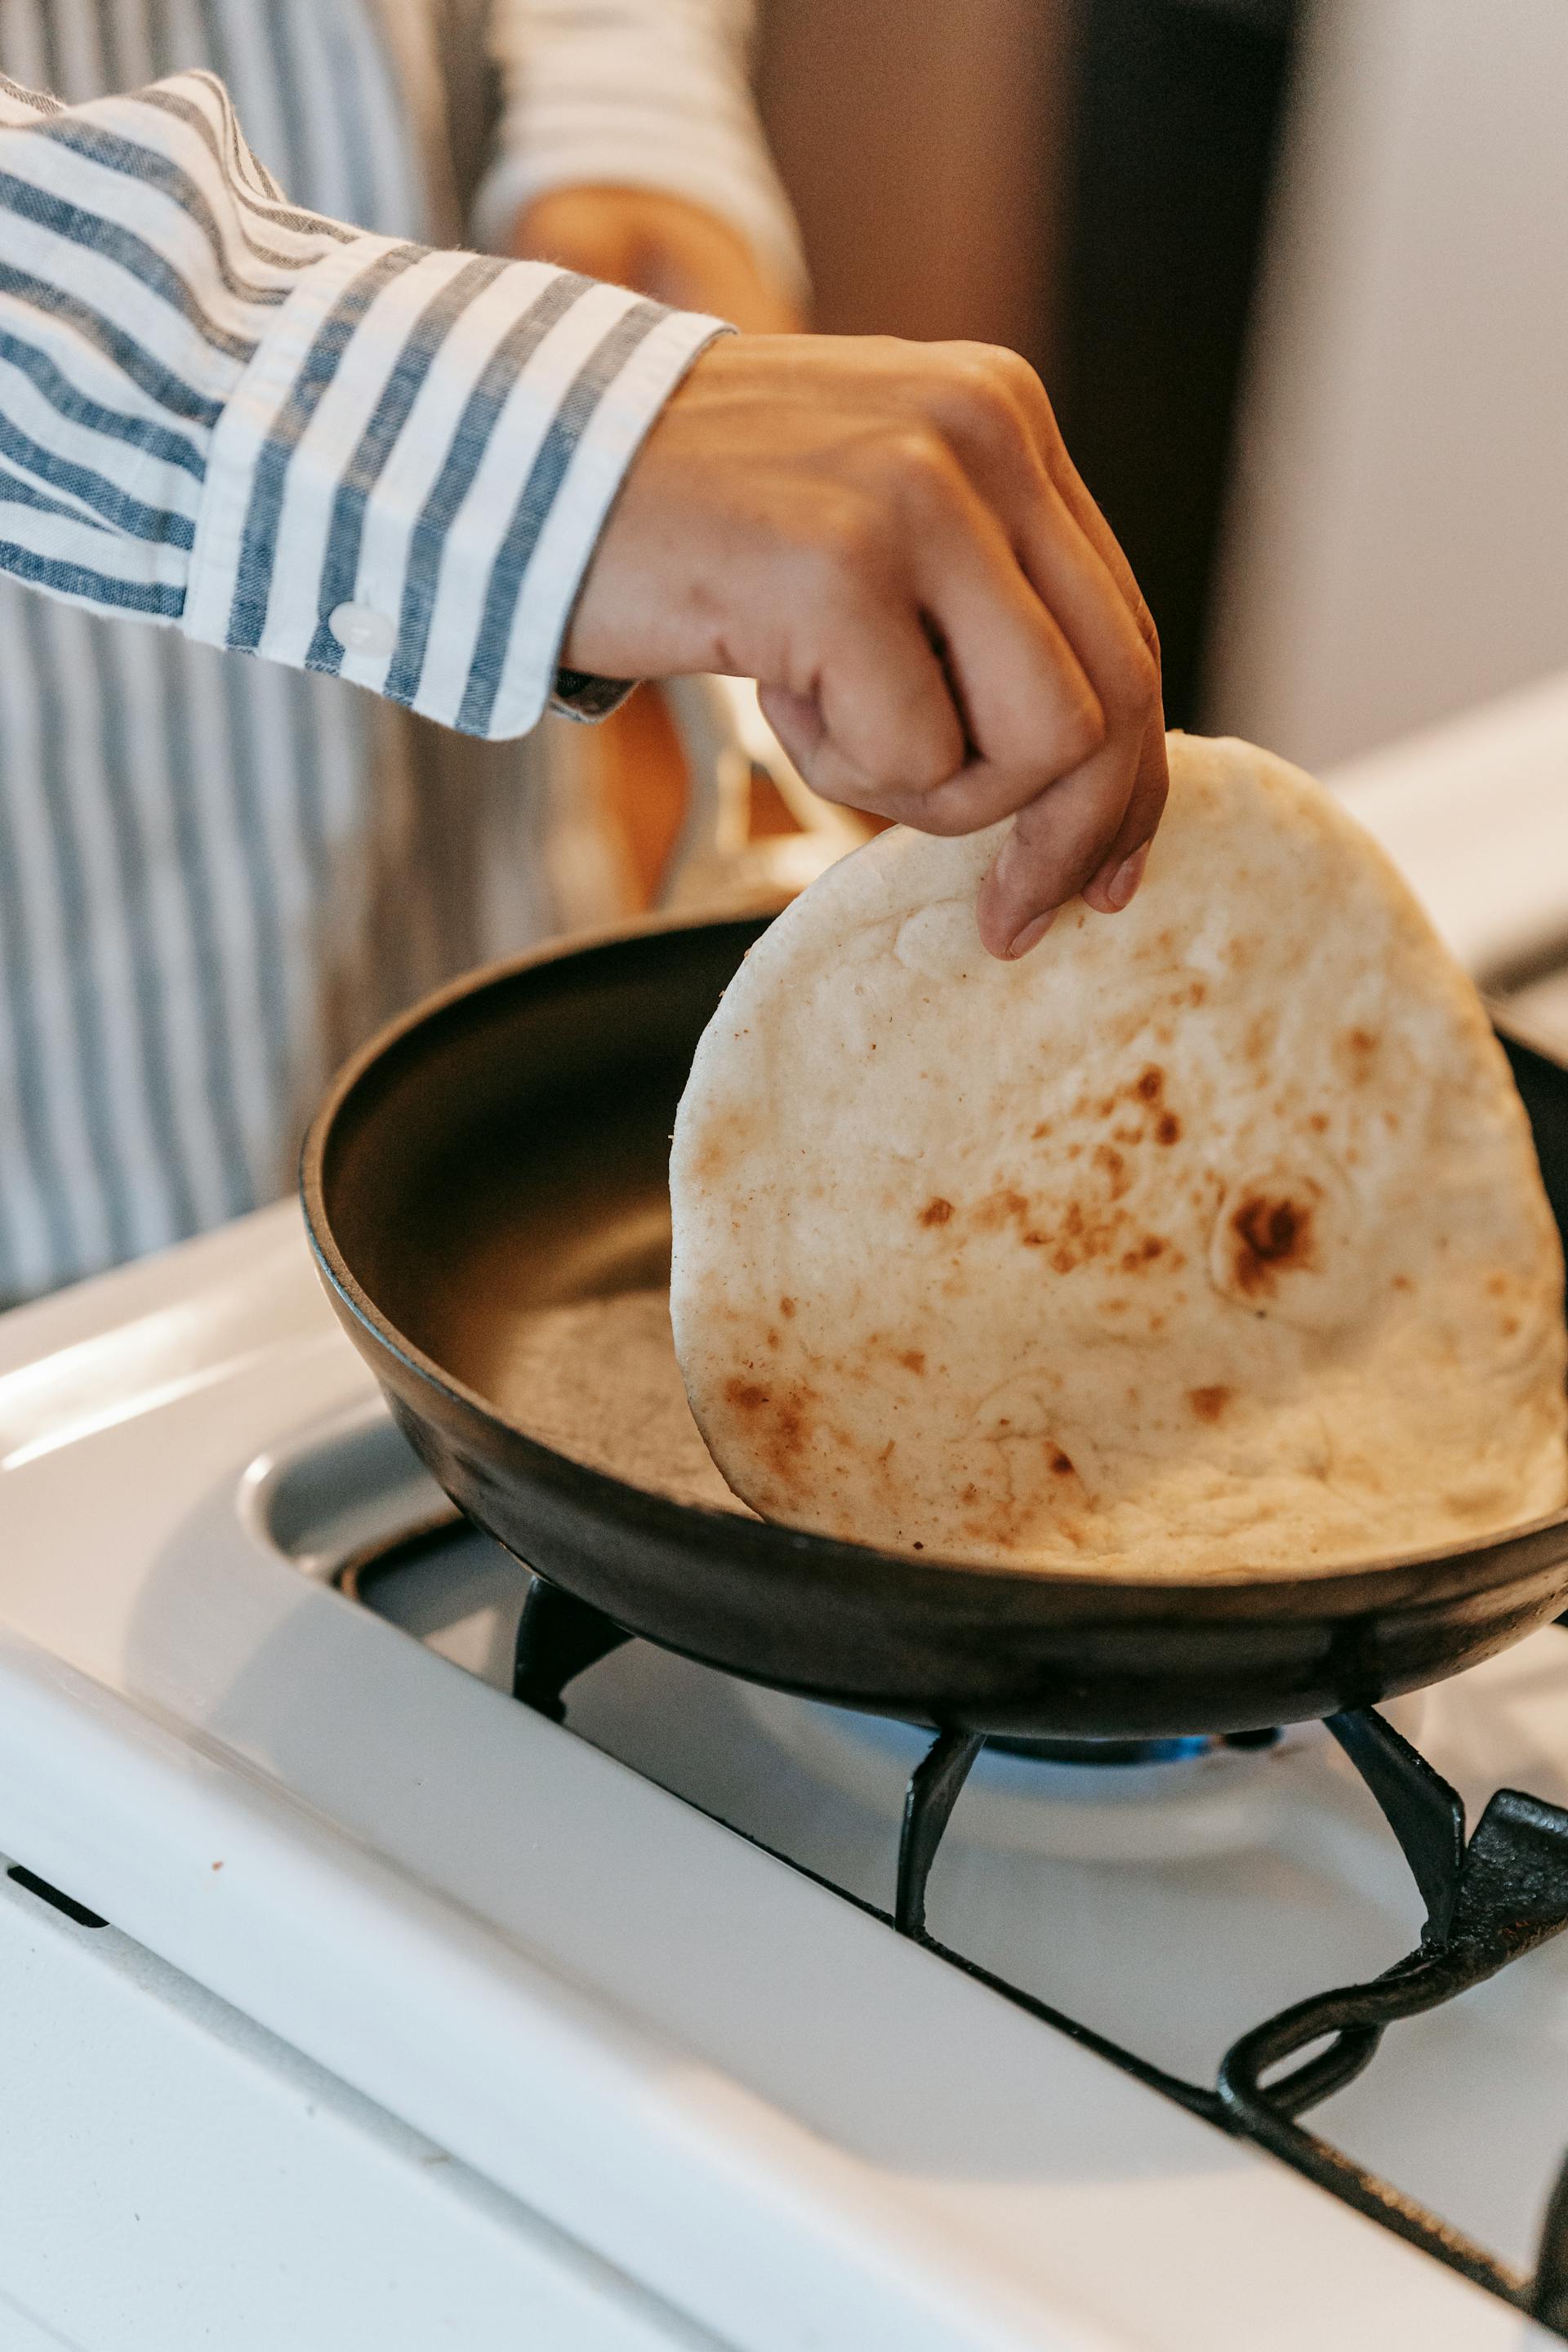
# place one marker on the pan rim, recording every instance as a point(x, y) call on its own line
point(707, 1526)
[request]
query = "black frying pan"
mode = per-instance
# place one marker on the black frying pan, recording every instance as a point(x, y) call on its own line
point(505, 1145)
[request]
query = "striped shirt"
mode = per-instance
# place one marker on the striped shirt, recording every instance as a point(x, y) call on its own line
point(355, 456)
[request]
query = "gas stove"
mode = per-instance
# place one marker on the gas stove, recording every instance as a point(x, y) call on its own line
point(618, 1996)
point(346, 2001)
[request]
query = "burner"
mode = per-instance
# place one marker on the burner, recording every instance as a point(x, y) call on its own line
point(1105, 1801)
point(1122, 1751)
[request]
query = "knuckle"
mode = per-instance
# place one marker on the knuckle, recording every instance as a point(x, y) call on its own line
point(918, 465)
point(1150, 634)
point(1012, 373)
point(946, 808)
point(1081, 731)
point(987, 404)
point(1136, 689)
point(916, 771)
point(850, 549)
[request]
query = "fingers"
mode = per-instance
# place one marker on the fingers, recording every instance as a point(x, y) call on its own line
point(1005, 399)
point(945, 696)
point(1058, 845)
point(1089, 830)
point(877, 715)
point(888, 537)
point(1116, 880)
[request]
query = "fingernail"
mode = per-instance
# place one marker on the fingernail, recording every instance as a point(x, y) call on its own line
point(1119, 890)
point(1031, 935)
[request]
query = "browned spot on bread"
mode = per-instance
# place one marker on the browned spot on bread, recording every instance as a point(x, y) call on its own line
point(1318, 1122)
point(1108, 1160)
point(1261, 1031)
point(779, 1415)
point(772, 1337)
point(1151, 1085)
point(936, 1211)
point(971, 1494)
point(1169, 1128)
point(1509, 1326)
point(1128, 1135)
point(1402, 1281)
point(1359, 1048)
point(996, 1208)
point(914, 1360)
point(1135, 1260)
point(1108, 1106)
point(787, 1309)
point(1061, 1464)
point(1272, 1234)
point(1038, 1133)
point(1198, 992)
point(1208, 1404)
point(1496, 1284)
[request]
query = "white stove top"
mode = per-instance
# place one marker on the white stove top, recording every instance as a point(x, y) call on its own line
point(742, 2091)
point(679, 2094)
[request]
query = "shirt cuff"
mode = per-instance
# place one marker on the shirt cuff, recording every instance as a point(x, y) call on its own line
point(409, 478)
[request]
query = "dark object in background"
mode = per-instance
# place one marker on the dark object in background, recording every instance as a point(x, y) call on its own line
point(1176, 112)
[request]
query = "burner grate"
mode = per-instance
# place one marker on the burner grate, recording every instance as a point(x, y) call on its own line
point(1492, 1896)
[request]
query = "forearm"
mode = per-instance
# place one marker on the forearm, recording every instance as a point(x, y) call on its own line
point(636, 93)
point(281, 435)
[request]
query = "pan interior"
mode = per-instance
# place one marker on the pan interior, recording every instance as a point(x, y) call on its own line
point(510, 1152)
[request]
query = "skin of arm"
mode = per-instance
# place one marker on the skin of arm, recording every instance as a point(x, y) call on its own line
point(662, 245)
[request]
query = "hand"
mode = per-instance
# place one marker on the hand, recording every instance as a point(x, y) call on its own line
point(891, 539)
point(677, 252)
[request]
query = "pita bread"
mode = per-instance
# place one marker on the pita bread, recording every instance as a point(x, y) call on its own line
point(1208, 1239)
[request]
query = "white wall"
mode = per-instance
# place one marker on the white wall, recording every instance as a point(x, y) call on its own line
point(1398, 546)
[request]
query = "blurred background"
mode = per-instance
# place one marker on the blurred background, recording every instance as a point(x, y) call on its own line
point(1295, 274)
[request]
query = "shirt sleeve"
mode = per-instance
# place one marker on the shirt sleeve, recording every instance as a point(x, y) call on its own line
point(283, 435)
point(636, 93)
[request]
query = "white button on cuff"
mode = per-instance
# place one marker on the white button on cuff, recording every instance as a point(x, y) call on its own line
point(360, 630)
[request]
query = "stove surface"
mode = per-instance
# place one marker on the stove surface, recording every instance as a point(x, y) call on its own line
point(546, 1950)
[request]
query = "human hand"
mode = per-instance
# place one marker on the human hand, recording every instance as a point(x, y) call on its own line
point(660, 244)
point(891, 538)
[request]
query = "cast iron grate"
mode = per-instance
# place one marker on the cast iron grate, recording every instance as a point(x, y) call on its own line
point(1491, 1895)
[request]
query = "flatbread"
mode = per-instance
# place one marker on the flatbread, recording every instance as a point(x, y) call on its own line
point(1207, 1239)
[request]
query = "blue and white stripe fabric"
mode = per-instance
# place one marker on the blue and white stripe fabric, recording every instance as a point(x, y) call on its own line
point(235, 416)
point(223, 414)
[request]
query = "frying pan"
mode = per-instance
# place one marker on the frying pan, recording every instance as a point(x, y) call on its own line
point(505, 1146)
